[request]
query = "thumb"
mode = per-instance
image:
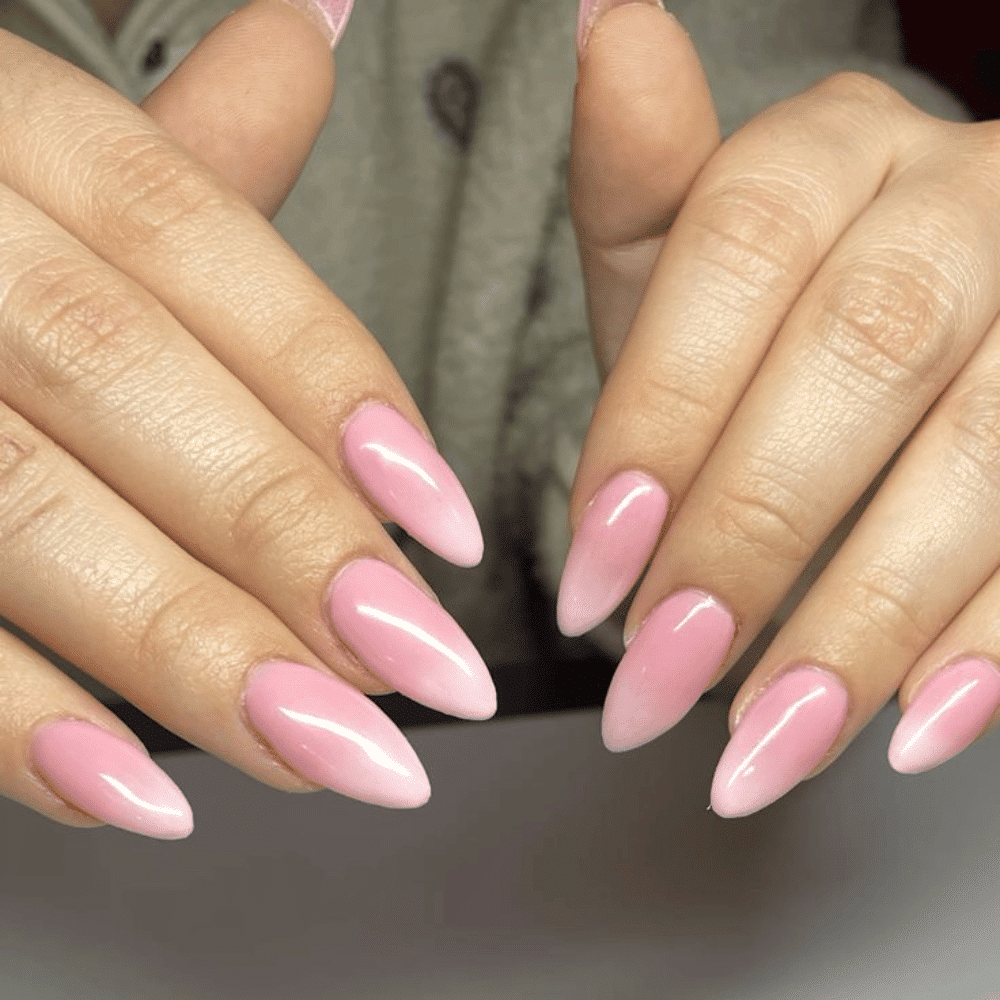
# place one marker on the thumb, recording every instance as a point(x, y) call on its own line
point(251, 98)
point(644, 124)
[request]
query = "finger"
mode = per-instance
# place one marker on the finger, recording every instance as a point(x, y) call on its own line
point(251, 98)
point(66, 756)
point(644, 123)
point(91, 579)
point(758, 222)
point(149, 210)
point(925, 549)
point(889, 318)
point(104, 370)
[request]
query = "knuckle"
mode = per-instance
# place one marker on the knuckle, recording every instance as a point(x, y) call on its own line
point(756, 234)
point(860, 89)
point(666, 394)
point(974, 418)
point(144, 194)
point(273, 507)
point(762, 514)
point(894, 322)
point(184, 626)
point(32, 502)
point(69, 330)
point(888, 602)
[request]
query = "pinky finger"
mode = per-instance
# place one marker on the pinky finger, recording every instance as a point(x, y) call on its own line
point(66, 756)
point(951, 697)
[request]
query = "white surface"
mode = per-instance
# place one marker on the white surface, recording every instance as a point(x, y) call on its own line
point(542, 867)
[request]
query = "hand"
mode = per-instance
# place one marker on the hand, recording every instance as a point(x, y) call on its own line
point(827, 292)
point(198, 442)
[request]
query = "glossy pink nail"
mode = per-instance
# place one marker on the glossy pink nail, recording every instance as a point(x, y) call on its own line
point(409, 640)
point(111, 779)
point(330, 16)
point(670, 662)
point(402, 472)
point(610, 549)
point(780, 739)
point(948, 713)
point(332, 734)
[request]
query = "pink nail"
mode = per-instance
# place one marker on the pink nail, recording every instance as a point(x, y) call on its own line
point(781, 738)
point(111, 779)
point(591, 11)
point(611, 547)
point(330, 16)
point(948, 713)
point(401, 471)
point(332, 734)
point(668, 665)
point(409, 640)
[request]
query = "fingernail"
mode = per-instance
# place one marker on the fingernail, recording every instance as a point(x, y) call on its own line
point(591, 11)
point(948, 713)
point(668, 665)
point(111, 779)
point(780, 739)
point(330, 16)
point(409, 640)
point(332, 734)
point(403, 473)
point(610, 549)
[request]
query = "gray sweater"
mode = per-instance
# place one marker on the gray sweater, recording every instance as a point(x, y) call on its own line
point(434, 204)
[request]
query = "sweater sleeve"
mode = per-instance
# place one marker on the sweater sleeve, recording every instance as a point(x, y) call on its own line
point(556, 383)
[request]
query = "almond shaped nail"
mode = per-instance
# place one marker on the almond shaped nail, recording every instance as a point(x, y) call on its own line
point(948, 713)
point(330, 16)
point(611, 547)
point(111, 779)
point(668, 665)
point(332, 734)
point(780, 739)
point(407, 477)
point(409, 640)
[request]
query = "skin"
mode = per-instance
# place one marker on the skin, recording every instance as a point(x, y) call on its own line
point(774, 317)
point(96, 465)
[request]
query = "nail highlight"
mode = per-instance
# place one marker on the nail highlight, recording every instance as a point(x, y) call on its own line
point(409, 640)
point(332, 734)
point(668, 665)
point(948, 713)
point(402, 472)
point(610, 549)
point(111, 779)
point(330, 16)
point(780, 739)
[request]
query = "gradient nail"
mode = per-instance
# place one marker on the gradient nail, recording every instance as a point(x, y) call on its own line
point(409, 640)
point(330, 16)
point(780, 739)
point(110, 779)
point(611, 547)
point(402, 472)
point(948, 713)
point(332, 734)
point(672, 659)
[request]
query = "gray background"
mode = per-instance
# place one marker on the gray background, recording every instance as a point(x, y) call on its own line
point(542, 867)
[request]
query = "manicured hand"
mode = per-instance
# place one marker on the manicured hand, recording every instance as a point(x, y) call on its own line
point(198, 442)
point(827, 293)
